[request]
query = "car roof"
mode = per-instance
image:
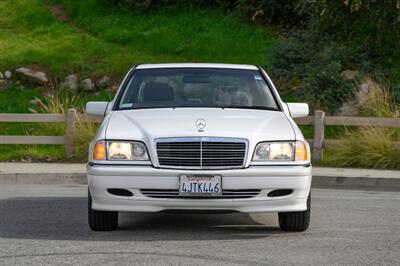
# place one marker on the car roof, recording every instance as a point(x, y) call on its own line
point(196, 65)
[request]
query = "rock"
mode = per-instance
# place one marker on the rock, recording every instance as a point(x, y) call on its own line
point(103, 82)
point(349, 74)
point(363, 94)
point(366, 91)
point(8, 74)
point(71, 82)
point(87, 84)
point(36, 77)
point(1, 76)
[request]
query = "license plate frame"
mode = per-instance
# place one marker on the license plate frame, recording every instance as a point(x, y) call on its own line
point(200, 185)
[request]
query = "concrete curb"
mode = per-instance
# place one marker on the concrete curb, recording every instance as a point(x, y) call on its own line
point(42, 178)
point(359, 183)
point(72, 174)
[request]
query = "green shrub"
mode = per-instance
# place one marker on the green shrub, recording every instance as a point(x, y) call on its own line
point(340, 35)
point(370, 147)
point(84, 133)
point(310, 69)
point(379, 101)
point(372, 25)
point(266, 11)
point(278, 12)
point(367, 27)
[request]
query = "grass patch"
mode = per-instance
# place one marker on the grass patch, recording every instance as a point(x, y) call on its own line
point(31, 153)
point(367, 147)
point(32, 129)
point(17, 100)
point(84, 133)
point(98, 40)
point(331, 132)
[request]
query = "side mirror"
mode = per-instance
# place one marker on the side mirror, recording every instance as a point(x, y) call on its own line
point(96, 108)
point(298, 109)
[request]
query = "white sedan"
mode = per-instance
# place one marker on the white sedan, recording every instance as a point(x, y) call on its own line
point(198, 137)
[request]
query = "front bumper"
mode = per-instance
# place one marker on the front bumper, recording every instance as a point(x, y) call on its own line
point(134, 178)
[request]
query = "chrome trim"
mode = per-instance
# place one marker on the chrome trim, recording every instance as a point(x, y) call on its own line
point(201, 154)
point(193, 139)
point(202, 139)
point(226, 194)
point(119, 163)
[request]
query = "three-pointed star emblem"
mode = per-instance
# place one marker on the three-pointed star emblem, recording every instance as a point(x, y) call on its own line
point(201, 124)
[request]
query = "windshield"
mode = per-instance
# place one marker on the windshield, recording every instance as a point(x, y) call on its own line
point(196, 87)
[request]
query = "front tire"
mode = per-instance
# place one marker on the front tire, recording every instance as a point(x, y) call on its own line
point(101, 220)
point(296, 221)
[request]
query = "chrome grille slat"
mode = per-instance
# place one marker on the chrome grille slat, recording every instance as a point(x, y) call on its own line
point(209, 158)
point(201, 153)
point(174, 194)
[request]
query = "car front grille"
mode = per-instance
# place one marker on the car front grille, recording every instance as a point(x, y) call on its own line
point(174, 194)
point(201, 153)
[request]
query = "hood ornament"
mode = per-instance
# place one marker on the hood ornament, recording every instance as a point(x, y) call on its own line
point(201, 124)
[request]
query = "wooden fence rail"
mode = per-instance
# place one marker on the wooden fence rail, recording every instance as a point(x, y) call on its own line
point(70, 119)
point(318, 121)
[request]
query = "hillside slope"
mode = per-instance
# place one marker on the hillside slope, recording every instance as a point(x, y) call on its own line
point(91, 39)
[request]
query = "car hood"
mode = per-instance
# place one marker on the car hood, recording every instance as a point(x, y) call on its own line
point(149, 124)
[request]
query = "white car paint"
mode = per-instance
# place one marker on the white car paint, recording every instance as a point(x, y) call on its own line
point(146, 125)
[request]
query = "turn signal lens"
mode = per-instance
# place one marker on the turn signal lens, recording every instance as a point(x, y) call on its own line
point(99, 151)
point(301, 151)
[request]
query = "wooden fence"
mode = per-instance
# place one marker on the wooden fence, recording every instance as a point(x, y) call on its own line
point(70, 119)
point(319, 120)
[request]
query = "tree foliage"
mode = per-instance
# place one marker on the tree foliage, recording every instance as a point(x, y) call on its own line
point(279, 12)
point(340, 34)
point(374, 25)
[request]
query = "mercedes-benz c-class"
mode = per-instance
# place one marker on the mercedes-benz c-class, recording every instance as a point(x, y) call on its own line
point(198, 137)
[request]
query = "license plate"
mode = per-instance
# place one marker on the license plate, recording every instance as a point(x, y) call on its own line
point(200, 185)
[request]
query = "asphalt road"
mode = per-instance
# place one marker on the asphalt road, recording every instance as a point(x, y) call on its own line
point(47, 225)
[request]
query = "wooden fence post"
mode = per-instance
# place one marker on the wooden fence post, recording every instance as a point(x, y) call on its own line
point(319, 129)
point(69, 132)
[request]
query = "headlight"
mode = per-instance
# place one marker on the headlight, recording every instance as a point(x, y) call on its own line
point(120, 151)
point(133, 151)
point(280, 151)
